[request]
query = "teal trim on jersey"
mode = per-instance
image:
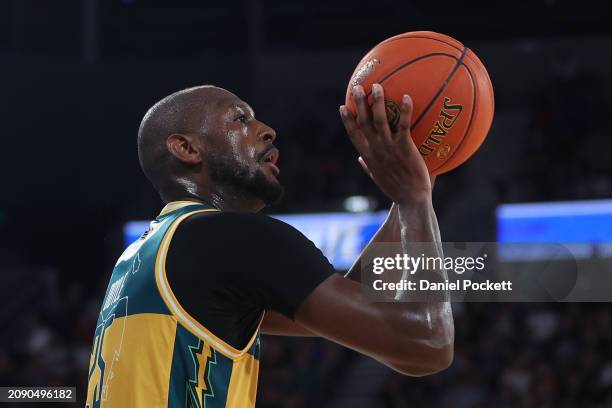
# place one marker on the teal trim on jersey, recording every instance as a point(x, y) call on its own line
point(177, 392)
point(133, 290)
point(183, 210)
point(255, 348)
point(133, 277)
point(219, 375)
point(186, 369)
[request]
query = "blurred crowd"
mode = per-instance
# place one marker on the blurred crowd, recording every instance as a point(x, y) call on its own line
point(565, 149)
point(519, 355)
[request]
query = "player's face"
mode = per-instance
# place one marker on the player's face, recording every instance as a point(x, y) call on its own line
point(244, 154)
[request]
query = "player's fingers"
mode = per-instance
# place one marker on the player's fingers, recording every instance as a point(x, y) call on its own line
point(379, 114)
point(404, 138)
point(361, 105)
point(405, 120)
point(402, 135)
point(365, 168)
point(409, 147)
point(353, 131)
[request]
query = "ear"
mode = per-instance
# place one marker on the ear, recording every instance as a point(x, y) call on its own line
point(184, 148)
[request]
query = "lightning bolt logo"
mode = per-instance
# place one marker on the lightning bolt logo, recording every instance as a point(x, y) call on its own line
point(199, 387)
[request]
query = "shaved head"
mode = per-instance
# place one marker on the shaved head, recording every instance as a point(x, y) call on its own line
point(183, 112)
point(204, 142)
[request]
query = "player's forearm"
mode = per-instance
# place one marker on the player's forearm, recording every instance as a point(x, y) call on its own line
point(278, 325)
point(420, 234)
point(415, 223)
point(388, 232)
point(418, 225)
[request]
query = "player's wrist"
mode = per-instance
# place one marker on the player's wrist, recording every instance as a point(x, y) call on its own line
point(414, 212)
point(414, 200)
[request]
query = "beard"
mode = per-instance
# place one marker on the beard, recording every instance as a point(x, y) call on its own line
point(240, 177)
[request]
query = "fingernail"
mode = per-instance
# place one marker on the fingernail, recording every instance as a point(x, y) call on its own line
point(342, 112)
point(376, 89)
point(406, 100)
point(357, 89)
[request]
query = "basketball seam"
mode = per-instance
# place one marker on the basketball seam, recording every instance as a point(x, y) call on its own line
point(442, 88)
point(433, 39)
point(420, 36)
point(404, 65)
point(459, 62)
point(467, 130)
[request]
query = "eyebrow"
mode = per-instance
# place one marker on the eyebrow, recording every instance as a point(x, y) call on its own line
point(244, 107)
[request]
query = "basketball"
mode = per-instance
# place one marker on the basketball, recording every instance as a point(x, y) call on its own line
point(452, 95)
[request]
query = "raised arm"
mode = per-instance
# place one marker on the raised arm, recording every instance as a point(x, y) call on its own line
point(411, 337)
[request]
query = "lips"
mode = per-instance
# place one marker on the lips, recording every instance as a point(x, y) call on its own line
point(270, 158)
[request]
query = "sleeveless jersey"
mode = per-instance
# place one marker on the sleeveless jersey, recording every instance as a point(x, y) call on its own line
point(148, 351)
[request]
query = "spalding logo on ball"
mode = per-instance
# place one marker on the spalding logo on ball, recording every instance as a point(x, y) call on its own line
point(450, 88)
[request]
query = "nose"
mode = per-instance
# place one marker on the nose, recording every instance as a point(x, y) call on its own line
point(267, 134)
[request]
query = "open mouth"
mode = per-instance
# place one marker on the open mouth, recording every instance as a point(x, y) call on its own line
point(270, 159)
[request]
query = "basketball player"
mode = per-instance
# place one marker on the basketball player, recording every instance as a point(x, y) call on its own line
point(181, 319)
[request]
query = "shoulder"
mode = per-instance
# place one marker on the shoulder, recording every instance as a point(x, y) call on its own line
point(220, 229)
point(225, 219)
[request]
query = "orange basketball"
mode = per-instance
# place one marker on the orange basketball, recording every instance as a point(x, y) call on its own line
point(450, 88)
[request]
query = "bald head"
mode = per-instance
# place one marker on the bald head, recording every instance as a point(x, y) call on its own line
point(205, 143)
point(183, 112)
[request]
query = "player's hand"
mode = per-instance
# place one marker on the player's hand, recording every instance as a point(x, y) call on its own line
point(390, 157)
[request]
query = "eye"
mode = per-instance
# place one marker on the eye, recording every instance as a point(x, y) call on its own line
point(241, 118)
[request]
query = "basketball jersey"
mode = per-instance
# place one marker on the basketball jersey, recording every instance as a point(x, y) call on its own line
point(148, 351)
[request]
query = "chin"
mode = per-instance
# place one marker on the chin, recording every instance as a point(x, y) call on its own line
point(273, 180)
point(273, 193)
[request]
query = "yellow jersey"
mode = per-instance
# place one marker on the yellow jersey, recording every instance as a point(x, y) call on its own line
point(148, 351)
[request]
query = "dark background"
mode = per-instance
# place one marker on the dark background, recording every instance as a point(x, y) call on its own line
point(76, 77)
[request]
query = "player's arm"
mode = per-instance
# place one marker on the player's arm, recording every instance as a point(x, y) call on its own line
point(275, 323)
point(389, 231)
point(412, 338)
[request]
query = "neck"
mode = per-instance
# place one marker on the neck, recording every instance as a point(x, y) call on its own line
point(223, 198)
point(228, 199)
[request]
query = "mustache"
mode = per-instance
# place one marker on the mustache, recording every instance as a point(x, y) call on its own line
point(263, 154)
